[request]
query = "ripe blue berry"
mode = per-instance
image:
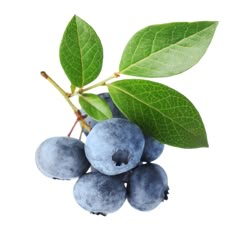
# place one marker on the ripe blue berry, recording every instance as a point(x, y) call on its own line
point(147, 187)
point(114, 146)
point(99, 194)
point(61, 158)
point(152, 149)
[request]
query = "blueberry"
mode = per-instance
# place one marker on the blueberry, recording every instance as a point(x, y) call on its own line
point(147, 187)
point(115, 111)
point(114, 146)
point(99, 194)
point(152, 149)
point(61, 158)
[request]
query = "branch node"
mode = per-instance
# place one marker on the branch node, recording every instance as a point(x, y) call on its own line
point(117, 74)
point(44, 74)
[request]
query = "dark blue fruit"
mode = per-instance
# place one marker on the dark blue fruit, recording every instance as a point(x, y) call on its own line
point(62, 158)
point(115, 111)
point(114, 146)
point(99, 194)
point(147, 187)
point(152, 149)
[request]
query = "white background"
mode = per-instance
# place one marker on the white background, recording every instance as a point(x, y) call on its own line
point(202, 181)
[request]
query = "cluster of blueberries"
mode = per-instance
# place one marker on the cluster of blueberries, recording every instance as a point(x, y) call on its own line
point(113, 165)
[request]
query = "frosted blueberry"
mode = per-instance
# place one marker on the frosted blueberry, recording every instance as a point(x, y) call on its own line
point(99, 194)
point(114, 146)
point(147, 187)
point(62, 158)
point(152, 149)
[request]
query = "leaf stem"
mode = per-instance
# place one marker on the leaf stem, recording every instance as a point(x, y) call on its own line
point(77, 112)
point(101, 83)
point(64, 94)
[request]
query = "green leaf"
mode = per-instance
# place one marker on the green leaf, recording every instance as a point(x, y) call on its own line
point(81, 52)
point(166, 49)
point(95, 107)
point(160, 111)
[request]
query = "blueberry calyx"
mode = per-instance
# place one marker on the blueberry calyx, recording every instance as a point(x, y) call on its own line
point(59, 179)
point(166, 192)
point(99, 213)
point(121, 157)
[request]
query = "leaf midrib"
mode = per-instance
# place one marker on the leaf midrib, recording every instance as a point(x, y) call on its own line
point(155, 109)
point(165, 48)
point(80, 51)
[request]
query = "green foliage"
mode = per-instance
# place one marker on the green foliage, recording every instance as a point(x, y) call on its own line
point(81, 52)
point(155, 51)
point(160, 111)
point(95, 107)
point(166, 49)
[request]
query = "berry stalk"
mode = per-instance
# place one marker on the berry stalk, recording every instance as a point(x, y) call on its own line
point(78, 114)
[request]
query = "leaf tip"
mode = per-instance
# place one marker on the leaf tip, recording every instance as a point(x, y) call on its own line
point(204, 143)
point(216, 23)
point(75, 18)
